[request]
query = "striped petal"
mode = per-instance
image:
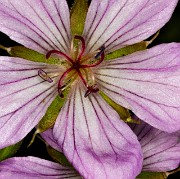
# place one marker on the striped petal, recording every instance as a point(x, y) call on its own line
point(161, 150)
point(24, 98)
point(94, 139)
point(32, 167)
point(39, 25)
point(148, 83)
point(49, 138)
point(115, 24)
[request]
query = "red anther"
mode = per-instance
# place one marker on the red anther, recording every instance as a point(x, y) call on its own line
point(59, 53)
point(44, 76)
point(94, 88)
point(87, 93)
point(83, 46)
point(91, 89)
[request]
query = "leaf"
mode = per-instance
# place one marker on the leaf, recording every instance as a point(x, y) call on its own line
point(151, 175)
point(78, 16)
point(9, 151)
point(126, 50)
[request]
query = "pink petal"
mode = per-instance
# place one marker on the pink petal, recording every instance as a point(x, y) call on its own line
point(49, 138)
point(39, 25)
point(32, 167)
point(116, 24)
point(148, 83)
point(161, 150)
point(94, 139)
point(24, 98)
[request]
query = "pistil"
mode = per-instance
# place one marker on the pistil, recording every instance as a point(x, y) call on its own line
point(77, 66)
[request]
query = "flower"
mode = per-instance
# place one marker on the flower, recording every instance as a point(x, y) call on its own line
point(160, 153)
point(88, 130)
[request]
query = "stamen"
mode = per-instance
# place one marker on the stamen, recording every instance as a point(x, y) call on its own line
point(59, 53)
point(101, 53)
point(60, 93)
point(91, 89)
point(89, 76)
point(82, 78)
point(44, 76)
point(80, 66)
point(101, 50)
point(83, 46)
point(62, 78)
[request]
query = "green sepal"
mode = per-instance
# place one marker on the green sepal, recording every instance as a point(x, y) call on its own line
point(57, 156)
point(28, 54)
point(51, 114)
point(123, 112)
point(78, 16)
point(9, 151)
point(151, 175)
point(126, 50)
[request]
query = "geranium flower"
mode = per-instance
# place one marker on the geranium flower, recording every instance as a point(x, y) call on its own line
point(88, 130)
point(160, 154)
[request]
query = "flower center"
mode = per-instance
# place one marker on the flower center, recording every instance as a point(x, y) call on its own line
point(78, 65)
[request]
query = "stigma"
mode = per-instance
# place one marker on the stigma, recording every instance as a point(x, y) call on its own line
point(78, 67)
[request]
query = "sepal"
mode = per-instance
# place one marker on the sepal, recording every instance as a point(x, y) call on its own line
point(57, 156)
point(126, 50)
point(78, 16)
point(9, 151)
point(151, 175)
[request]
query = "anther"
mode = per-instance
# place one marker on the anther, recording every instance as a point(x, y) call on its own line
point(44, 76)
point(60, 93)
point(101, 51)
point(91, 89)
point(101, 54)
point(62, 87)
